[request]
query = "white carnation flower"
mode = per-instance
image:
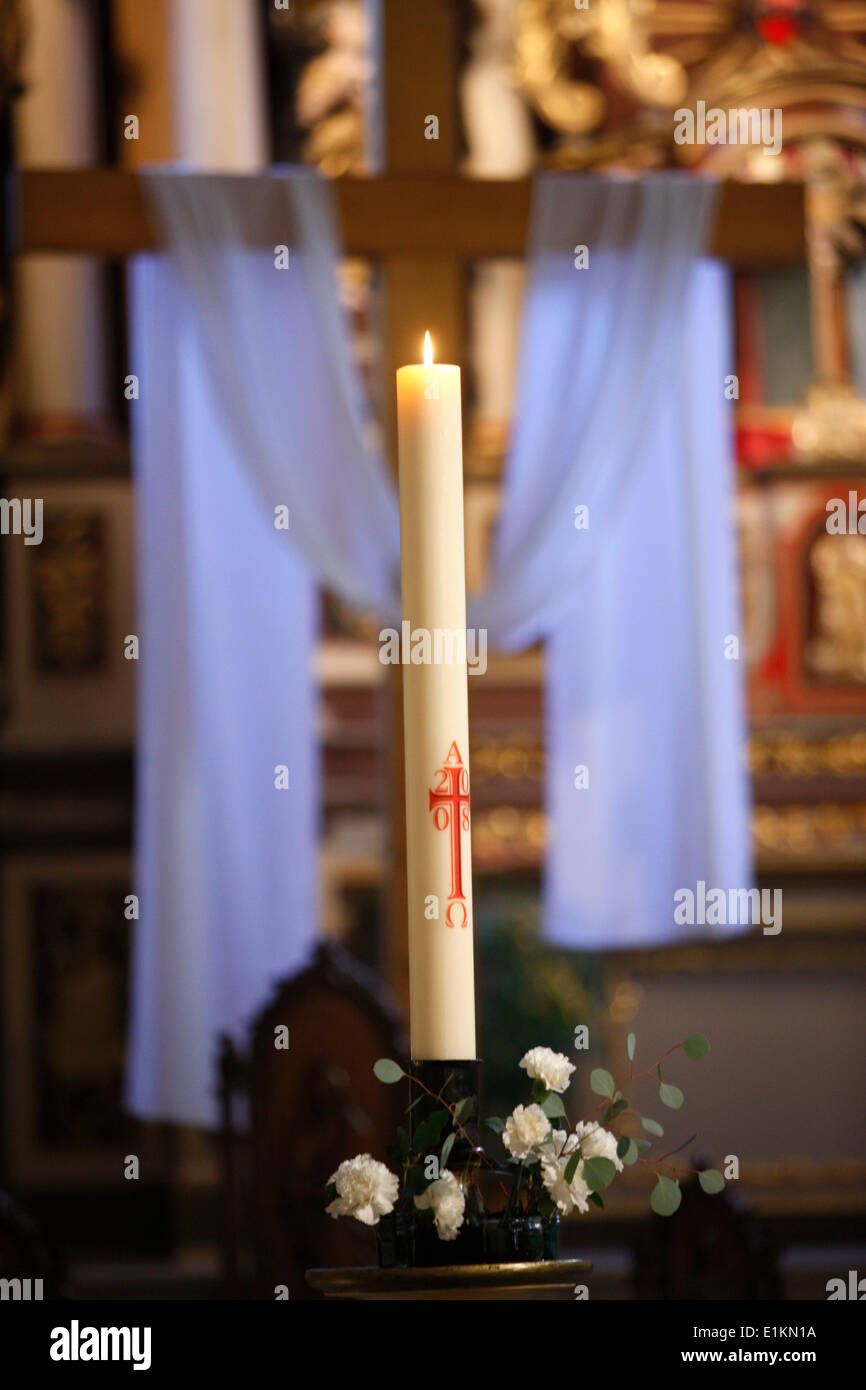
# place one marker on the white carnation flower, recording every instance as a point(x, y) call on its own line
point(553, 1068)
point(525, 1129)
point(446, 1198)
point(366, 1189)
point(567, 1196)
point(596, 1142)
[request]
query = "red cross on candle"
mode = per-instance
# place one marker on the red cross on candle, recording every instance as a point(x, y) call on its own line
point(449, 802)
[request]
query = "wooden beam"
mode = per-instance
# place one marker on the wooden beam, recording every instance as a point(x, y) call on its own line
point(420, 79)
point(104, 212)
point(423, 286)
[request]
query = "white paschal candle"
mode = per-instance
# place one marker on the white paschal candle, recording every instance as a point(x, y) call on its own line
point(435, 712)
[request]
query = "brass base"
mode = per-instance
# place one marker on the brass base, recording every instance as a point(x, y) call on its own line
point(546, 1279)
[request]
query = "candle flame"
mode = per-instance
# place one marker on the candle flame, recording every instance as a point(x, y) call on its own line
point(428, 351)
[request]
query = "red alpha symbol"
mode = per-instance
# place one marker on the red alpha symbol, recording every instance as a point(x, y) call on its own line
point(449, 803)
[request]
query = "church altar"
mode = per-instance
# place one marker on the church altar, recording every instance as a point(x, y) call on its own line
point(571, 205)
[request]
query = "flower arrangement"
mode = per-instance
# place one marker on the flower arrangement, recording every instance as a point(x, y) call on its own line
point(551, 1168)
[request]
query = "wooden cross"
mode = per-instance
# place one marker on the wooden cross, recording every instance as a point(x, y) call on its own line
point(423, 223)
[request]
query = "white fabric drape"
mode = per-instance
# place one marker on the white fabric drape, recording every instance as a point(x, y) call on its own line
point(621, 410)
point(247, 403)
point(275, 344)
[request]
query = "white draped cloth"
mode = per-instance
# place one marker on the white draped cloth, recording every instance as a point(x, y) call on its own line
point(621, 410)
point(248, 406)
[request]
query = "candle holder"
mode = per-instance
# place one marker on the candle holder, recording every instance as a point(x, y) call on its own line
point(405, 1240)
point(458, 1223)
point(496, 1256)
point(437, 1083)
point(552, 1280)
point(450, 1082)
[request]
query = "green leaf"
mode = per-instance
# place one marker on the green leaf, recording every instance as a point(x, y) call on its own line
point(619, 1106)
point(446, 1148)
point(553, 1106)
point(571, 1165)
point(388, 1071)
point(495, 1123)
point(642, 1145)
point(331, 1189)
point(597, 1199)
point(652, 1126)
point(598, 1173)
point(626, 1149)
point(539, 1090)
point(429, 1131)
point(711, 1181)
point(670, 1095)
point(463, 1109)
point(696, 1046)
point(602, 1082)
point(630, 1046)
point(666, 1197)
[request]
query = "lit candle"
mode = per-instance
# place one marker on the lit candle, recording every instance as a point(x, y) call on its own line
point(435, 710)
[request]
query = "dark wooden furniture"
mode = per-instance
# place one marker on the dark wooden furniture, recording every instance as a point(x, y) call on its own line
point(291, 1115)
point(713, 1249)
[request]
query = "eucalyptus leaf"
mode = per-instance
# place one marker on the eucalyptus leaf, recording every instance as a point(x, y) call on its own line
point(627, 1150)
point(598, 1173)
point(666, 1197)
point(553, 1106)
point(652, 1126)
point(671, 1096)
point(597, 1199)
point(446, 1148)
point(630, 1046)
point(429, 1131)
point(602, 1082)
point(388, 1071)
point(711, 1181)
point(571, 1165)
point(696, 1046)
point(463, 1109)
point(642, 1145)
point(495, 1123)
point(619, 1106)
